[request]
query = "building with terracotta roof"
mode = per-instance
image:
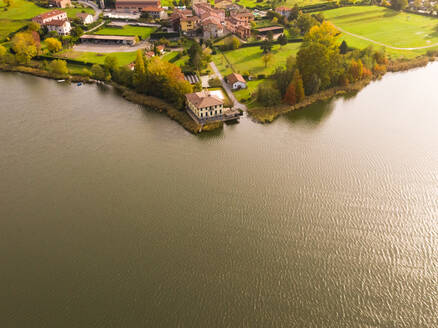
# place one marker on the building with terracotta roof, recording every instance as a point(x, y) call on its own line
point(236, 81)
point(47, 17)
point(155, 11)
point(205, 106)
point(62, 27)
point(60, 3)
point(223, 4)
point(189, 24)
point(212, 28)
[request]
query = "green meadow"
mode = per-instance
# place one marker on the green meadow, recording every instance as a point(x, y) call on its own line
point(249, 59)
point(124, 58)
point(396, 29)
point(141, 32)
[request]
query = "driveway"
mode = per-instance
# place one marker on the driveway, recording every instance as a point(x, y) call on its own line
point(227, 89)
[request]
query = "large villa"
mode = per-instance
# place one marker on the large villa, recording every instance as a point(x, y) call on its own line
point(205, 106)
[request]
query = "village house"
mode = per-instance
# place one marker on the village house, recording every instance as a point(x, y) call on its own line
point(283, 11)
point(155, 11)
point(205, 106)
point(212, 28)
point(62, 27)
point(205, 10)
point(189, 25)
point(236, 81)
point(54, 15)
point(238, 27)
point(85, 18)
point(60, 3)
point(108, 39)
point(177, 15)
point(276, 31)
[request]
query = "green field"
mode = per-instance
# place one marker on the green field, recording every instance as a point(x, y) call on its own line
point(124, 58)
point(141, 32)
point(401, 30)
point(244, 94)
point(21, 12)
point(249, 60)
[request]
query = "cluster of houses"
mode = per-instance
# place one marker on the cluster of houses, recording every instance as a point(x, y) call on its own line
point(213, 22)
point(150, 7)
point(57, 21)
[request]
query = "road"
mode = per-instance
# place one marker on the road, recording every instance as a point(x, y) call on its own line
point(380, 43)
point(227, 89)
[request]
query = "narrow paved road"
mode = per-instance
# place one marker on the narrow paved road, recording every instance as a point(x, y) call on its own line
point(380, 43)
point(236, 104)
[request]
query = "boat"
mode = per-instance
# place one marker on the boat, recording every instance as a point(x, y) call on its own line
point(60, 81)
point(79, 84)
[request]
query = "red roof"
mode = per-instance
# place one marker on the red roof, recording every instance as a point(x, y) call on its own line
point(234, 77)
point(50, 14)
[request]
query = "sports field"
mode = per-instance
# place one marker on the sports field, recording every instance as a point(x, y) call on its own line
point(249, 60)
point(386, 26)
point(141, 32)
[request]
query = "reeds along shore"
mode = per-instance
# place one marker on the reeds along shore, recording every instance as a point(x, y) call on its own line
point(269, 114)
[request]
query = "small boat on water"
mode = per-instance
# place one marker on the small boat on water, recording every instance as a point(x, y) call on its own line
point(60, 81)
point(79, 84)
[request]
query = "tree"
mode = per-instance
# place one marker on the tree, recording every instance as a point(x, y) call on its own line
point(235, 42)
point(25, 46)
point(111, 63)
point(54, 45)
point(282, 39)
point(34, 26)
point(266, 46)
point(417, 4)
point(297, 81)
point(319, 55)
point(399, 4)
point(305, 22)
point(267, 95)
point(343, 48)
point(290, 96)
point(139, 71)
point(267, 58)
point(58, 66)
point(8, 3)
point(355, 70)
point(2, 54)
point(98, 72)
point(294, 12)
point(77, 32)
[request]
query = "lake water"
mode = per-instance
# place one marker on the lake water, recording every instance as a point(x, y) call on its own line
point(112, 215)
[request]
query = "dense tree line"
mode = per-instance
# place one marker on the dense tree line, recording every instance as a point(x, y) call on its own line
point(321, 63)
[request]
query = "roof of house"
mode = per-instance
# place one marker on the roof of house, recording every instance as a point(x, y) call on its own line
point(56, 22)
point(234, 77)
point(190, 18)
point(160, 48)
point(83, 15)
point(203, 99)
point(283, 9)
point(50, 14)
point(211, 21)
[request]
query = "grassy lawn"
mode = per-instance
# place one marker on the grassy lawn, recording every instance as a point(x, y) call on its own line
point(72, 12)
point(246, 93)
point(170, 55)
point(287, 3)
point(95, 58)
point(384, 25)
point(142, 32)
point(249, 60)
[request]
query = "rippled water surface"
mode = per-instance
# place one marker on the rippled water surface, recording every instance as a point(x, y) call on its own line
point(114, 216)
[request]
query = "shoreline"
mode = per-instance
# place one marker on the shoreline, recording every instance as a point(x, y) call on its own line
point(149, 102)
point(269, 114)
point(258, 114)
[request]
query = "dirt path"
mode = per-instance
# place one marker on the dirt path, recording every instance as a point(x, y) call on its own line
point(380, 43)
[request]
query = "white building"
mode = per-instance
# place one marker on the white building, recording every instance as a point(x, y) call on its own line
point(85, 18)
point(62, 27)
point(205, 106)
point(236, 81)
